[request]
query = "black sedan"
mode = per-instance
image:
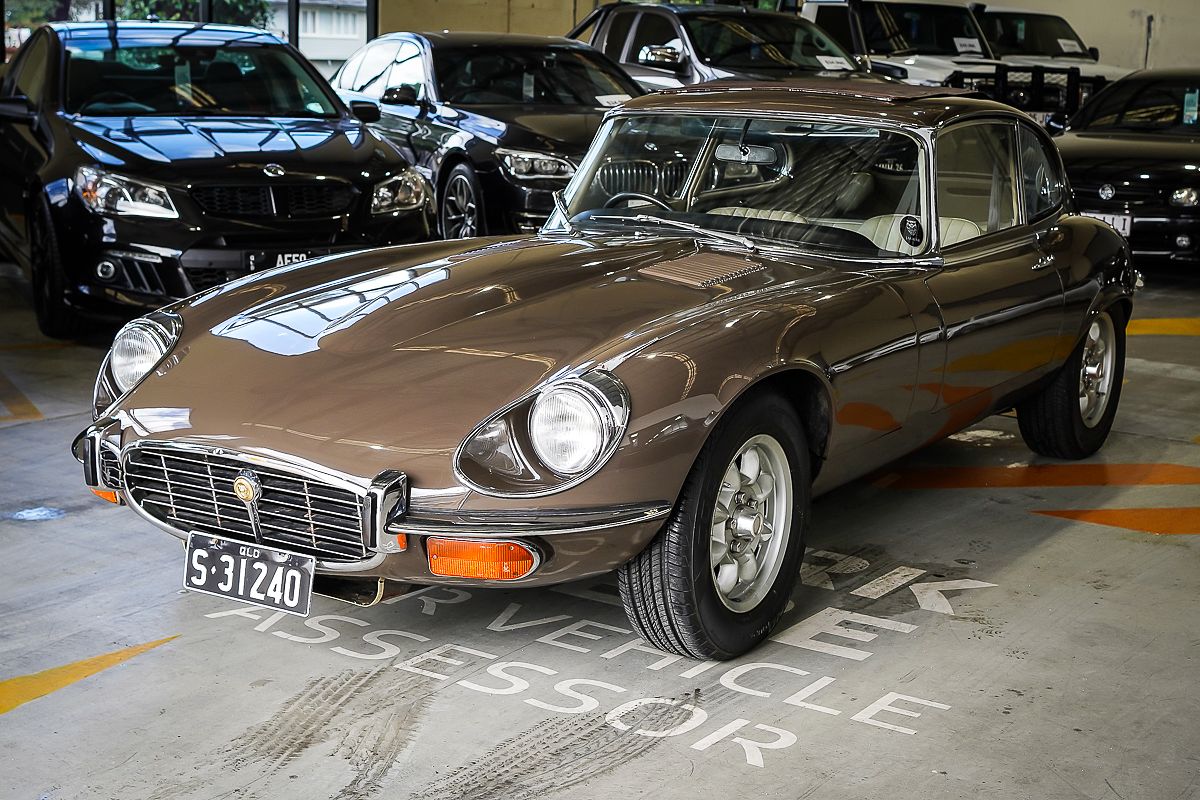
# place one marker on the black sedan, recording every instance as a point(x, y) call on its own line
point(496, 122)
point(141, 162)
point(1133, 158)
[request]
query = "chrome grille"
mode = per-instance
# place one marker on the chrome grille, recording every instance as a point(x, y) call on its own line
point(644, 177)
point(110, 469)
point(193, 490)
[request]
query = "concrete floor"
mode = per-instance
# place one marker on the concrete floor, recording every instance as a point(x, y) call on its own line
point(1034, 639)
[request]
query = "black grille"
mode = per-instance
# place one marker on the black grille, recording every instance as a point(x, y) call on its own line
point(193, 491)
point(299, 201)
point(201, 278)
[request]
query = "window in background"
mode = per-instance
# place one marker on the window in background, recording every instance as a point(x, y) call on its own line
point(23, 17)
point(163, 9)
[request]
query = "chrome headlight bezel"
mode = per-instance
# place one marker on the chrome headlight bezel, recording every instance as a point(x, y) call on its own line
point(528, 165)
point(403, 191)
point(499, 458)
point(162, 328)
point(112, 194)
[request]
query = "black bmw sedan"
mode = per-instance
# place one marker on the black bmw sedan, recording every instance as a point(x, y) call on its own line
point(1133, 157)
point(496, 122)
point(144, 161)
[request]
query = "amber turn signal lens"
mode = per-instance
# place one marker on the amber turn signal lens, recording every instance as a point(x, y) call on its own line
point(401, 541)
point(482, 560)
point(104, 494)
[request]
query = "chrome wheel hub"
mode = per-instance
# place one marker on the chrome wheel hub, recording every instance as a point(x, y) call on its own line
point(1097, 369)
point(751, 523)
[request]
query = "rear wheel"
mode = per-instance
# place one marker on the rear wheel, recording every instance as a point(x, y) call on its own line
point(1072, 416)
point(55, 317)
point(459, 212)
point(718, 576)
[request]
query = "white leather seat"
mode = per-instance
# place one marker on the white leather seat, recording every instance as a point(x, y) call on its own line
point(772, 215)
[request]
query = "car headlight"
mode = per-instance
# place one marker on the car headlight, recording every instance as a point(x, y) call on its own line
point(1185, 197)
point(547, 441)
point(402, 192)
point(139, 346)
point(527, 164)
point(108, 193)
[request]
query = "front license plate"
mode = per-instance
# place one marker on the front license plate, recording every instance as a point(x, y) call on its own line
point(250, 573)
point(270, 259)
point(1122, 222)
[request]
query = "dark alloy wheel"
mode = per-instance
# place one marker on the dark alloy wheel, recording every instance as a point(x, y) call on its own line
point(1072, 416)
point(717, 577)
point(460, 210)
point(55, 317)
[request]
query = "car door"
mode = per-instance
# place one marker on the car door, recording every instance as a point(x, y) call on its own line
point(999, 295)
point(22, 148)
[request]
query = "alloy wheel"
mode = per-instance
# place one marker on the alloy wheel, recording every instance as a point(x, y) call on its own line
point(459, 210)
point(1097, 370)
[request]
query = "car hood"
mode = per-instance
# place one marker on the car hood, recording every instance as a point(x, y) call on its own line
point(1087, 67)
point(392, 356)
point(937, 69)
point(555, 129)
point(178, 145)
point(1104, 157)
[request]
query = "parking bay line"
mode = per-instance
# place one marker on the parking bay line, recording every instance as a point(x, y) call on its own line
point(1039, 475)
point(1159, 521)
point(1164, 326)
point(24, 688)
point(15, 400)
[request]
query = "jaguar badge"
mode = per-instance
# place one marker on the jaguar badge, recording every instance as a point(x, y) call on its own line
point(247, 487)
point(274, 171)
point(1107, 192)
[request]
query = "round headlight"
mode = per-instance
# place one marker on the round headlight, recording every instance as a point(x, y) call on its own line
point(138, 347)
point(569, 429)
point(1185, 197)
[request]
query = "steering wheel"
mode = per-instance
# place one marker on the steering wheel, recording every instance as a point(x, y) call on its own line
point(619, 196)
point(111, 97)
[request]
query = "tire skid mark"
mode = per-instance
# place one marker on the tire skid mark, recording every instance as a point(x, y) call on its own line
point(556, 754)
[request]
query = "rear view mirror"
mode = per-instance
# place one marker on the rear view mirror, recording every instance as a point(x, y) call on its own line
point(403, 95)
point(1094, 52)
point(661, 56)
point(16, 109)
point(746, 153)
point(365, 110)
point(1056, 123)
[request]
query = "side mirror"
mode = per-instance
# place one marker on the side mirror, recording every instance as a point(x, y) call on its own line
point(1094, 52)
point(16, 109)
point(403, 95)
point(365, 110)
point(1056, 123)
point(661, 56)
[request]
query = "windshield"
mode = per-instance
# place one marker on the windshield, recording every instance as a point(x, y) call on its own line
point(244, 81)
point(556, 76)
point(1011, 33)
point(846, 189)
point(763, 43)
point(1163, 106)
point(900, 29)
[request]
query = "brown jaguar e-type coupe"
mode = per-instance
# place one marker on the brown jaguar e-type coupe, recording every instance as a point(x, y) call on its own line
point(748, 295)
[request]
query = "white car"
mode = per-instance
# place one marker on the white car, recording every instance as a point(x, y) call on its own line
point(928, 43)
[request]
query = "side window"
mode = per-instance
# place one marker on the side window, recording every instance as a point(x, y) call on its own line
point(618, 32)
point(976, 192)
point(654, 30)
point(1041, 183)
point(408, 69)
point(350, 71)
point(835, 21)
point(30, 77)
point(373, 73)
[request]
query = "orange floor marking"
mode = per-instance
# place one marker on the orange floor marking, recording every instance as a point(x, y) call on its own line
point(14, 399)
point(1179, 326)
point(1046, 475)
point(1161, 521)
point(20, 690)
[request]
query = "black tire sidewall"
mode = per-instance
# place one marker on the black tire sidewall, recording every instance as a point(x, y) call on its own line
point(55, 318)
point(1092, 439)
point(732, 632)
point(467, 171)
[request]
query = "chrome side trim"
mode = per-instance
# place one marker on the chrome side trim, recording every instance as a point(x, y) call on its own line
point(386, 501)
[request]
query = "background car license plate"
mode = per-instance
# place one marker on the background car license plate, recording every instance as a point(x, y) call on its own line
point(250, 573)
point(271, 259)
point(1122, 222)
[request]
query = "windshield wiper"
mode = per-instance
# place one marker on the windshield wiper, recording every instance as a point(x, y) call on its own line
point(686, 226)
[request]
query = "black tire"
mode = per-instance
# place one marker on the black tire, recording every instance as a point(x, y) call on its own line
point(1052, 422)
point(669, 590)
point(460, 208)
point(55, 317)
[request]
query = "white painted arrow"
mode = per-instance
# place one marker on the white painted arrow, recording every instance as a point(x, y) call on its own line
point(930, 596)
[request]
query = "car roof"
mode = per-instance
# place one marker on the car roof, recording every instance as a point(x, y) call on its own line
point(901, 103)
point(168, 32)
point(701, 8)
point(1165, 73)
point(485, 38)
point(955, 3)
